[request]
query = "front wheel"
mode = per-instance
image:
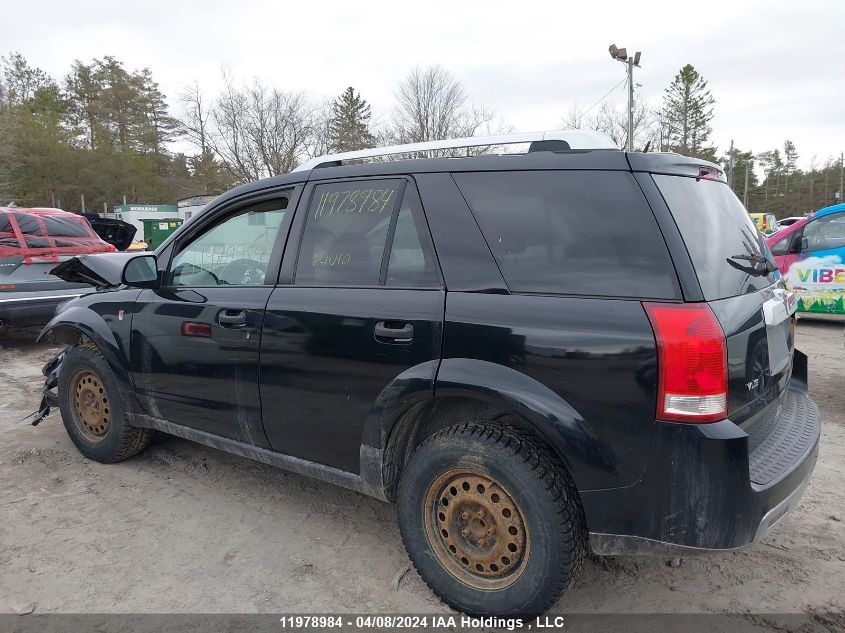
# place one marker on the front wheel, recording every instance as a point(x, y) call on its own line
point(491, 520)
point(92, 408)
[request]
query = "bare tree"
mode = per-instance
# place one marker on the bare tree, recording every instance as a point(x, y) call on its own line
point(196, 120)
point(259, 131)
point(613, 121)
point(432, 105)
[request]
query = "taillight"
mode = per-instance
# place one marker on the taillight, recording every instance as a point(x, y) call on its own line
point(692, 367)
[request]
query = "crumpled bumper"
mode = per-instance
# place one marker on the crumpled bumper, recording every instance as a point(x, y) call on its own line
point(49, 396)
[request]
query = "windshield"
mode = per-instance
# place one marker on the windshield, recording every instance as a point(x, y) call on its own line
point(729, 253)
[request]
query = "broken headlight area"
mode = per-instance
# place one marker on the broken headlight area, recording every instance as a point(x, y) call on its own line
point(49, 397)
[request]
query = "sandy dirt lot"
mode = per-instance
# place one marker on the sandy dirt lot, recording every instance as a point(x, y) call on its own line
point(184, 528)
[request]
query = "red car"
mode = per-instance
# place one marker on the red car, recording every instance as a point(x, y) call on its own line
point(32, 242)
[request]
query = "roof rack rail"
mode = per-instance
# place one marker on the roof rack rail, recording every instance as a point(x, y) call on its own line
point(576, 139)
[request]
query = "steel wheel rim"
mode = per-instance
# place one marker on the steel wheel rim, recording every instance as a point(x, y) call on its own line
point(90, 405)
point(476, 529)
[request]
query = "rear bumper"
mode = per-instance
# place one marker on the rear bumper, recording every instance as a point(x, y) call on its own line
point(698, 490)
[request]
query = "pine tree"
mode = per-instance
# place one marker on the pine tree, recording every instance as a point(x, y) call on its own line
point(349, 125)
point(686, 115)
point(790, 162)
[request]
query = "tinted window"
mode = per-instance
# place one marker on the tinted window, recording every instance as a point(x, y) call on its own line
point(573, 232)
point(66, 227)
point(412, 262)
point(28, 224)
point(716, 228)
point(827, 232)
point(345, 233)
point(234, 251)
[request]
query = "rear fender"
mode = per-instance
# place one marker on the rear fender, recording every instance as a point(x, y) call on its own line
point(542, 410)
point(410, 391)
point(408, 404)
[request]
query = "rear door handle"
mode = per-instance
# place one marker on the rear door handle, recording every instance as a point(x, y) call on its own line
point(232, 318)
point(394, 332)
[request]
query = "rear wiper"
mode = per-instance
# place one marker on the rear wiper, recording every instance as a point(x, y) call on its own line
point(756, 260)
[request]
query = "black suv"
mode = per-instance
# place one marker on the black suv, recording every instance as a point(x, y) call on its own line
point(532, 355)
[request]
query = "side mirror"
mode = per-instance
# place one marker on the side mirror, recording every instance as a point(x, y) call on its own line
point(141, 272)
point(805, 244)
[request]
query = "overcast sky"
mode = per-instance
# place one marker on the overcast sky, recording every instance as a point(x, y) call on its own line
point(776, 69)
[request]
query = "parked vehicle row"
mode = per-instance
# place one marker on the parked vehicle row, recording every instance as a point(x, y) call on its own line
point(533, 355)
point(32, 242)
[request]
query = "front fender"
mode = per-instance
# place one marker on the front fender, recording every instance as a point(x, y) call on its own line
point(75, 321)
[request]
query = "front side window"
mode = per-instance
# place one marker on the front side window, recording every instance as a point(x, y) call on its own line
point(781, 247)
point(826, 233)
point(235, 251)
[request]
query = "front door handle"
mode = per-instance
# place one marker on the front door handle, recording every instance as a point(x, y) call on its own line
point(394, 332)
point(232, 318)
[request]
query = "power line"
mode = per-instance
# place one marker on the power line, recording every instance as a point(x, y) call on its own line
point(587, 111)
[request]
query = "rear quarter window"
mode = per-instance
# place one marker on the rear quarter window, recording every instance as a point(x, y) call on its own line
point(715, 228)
point(571, 232)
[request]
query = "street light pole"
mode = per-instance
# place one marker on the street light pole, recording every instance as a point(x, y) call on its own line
point(745, 192)
point(621, 54)
point(631, 105)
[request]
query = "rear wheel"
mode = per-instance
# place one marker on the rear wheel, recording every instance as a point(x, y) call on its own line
point(491, 520)
point(93, 410)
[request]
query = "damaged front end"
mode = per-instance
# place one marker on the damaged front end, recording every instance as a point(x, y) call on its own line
point(49, 395)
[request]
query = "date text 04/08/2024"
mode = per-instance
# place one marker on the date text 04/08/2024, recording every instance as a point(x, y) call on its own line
point(423, 622)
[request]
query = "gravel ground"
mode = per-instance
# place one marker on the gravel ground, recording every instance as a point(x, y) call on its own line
point(188, 529)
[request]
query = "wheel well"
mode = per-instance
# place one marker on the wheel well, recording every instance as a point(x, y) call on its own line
point(66, 335)
point(423, 421)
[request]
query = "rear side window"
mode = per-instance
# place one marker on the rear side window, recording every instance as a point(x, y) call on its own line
point(345, 233)
point(412, 263)
point(571, 232)
point(366, 233)
point(66, 227)
point(716, 229)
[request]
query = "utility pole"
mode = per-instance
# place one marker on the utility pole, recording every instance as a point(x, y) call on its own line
point(621, 55)
point(731, 165)
point(841, 156)
point(82, 201)
point(631, 104)
point(745, 192)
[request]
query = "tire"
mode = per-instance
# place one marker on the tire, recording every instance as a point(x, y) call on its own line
point(524, 548)
point(95, 420)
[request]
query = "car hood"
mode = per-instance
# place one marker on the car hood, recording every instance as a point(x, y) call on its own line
point(103, 270)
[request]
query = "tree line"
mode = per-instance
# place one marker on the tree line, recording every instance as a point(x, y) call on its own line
point(681, 123)
point(107, 133)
